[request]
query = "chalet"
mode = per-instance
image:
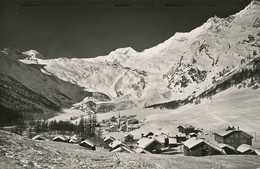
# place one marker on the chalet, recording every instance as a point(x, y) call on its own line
point(162, 139)
point(124, 149)
point(199, 147)
point(132, 121)
point(74, 139)
point(38, 137)
point(186, 128)
point(59, 139)
point(113, 128)
point(123, 127)
point(129, 138)
point(172, 142)
point(247, 149)
point(180, 137)
point(107, 141)
point(151, 145)
point(228, 149)
point(148, 134)
point(233, 137)
point(115, 144)
point(88, 144)
point(132, 127)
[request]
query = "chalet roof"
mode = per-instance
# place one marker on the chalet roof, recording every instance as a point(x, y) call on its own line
point(160, 138)
point(116, 143)
point(59, 137)
point(144, 142)
point(192, 142)
point(148, 133)
point(109, 138)
point(226, 133)
point(222, 145)
point(38, 137)
point(88, 142)
point(244, 148)
point(186, 126)
point(123, 148)
point(172, 141)
point(129, 134)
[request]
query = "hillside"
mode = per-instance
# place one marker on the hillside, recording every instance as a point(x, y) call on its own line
point(19, 152)
point(187, 66)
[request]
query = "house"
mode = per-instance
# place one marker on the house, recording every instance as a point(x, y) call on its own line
point(132, 121)
point(180, 137)
point(113, 128)
point(107, 141)
point(199, 147)
point(123, 127)
point(172, 142)
point(74, 139)
point(228, 149)
point(132, 127)
point(88, 144)
point(38, 137)
point(162, 139)
point(118, 146)
point(123, 149)
point(233, 137)
point(129, 138)
point(148, 134)
point(186, 128)
point(247, 149)
point(59, 139)
point(151, 145)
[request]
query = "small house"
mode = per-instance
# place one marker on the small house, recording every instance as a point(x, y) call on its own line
point(180, 137)
point(199, 147)
point(151, 145)
point(107, 141)
point(129, 138)
point(124, 149)
point(38, 137)
point(123, 127)
point(88, 144)
point(228, 149)
point(247, 149)
point(233, 137)
point(173, 142)
point(59, 139)
point(148, 134)
point(186, 128)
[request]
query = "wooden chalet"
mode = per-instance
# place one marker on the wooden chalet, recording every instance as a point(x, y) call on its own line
point(59, 139)
point(38, 137)
point(88, 144)
point(186, 128)
point(151, 145)
point(129, 138)
point(228, 149)
point(199, 147)
point(233, 137)
point(247, 149)
point(107, 141)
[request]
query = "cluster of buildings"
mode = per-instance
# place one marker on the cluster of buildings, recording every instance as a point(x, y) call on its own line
point(189, 140)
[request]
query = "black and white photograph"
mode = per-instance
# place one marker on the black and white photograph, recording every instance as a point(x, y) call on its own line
point(130, 84)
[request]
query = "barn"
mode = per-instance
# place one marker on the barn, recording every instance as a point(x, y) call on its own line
point(151, 145)
point(199, 147)
point(88, 144)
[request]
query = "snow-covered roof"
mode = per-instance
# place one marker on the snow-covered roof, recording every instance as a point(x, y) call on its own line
point(38, 137)
point(172, 141)
point(192, 142)
point(116, 143)
point(186, 126)
point(160, 138)
point(59, 137)
point(222, 145)
point(225, 133)
point(88, 142)
point(123, 148)
point(110, 137)
point(245, 147)
point(144, 142)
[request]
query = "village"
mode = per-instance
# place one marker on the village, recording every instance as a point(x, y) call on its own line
point(188, 140)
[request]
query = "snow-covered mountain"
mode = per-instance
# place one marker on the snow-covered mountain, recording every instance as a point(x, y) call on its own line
point(185, 65)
